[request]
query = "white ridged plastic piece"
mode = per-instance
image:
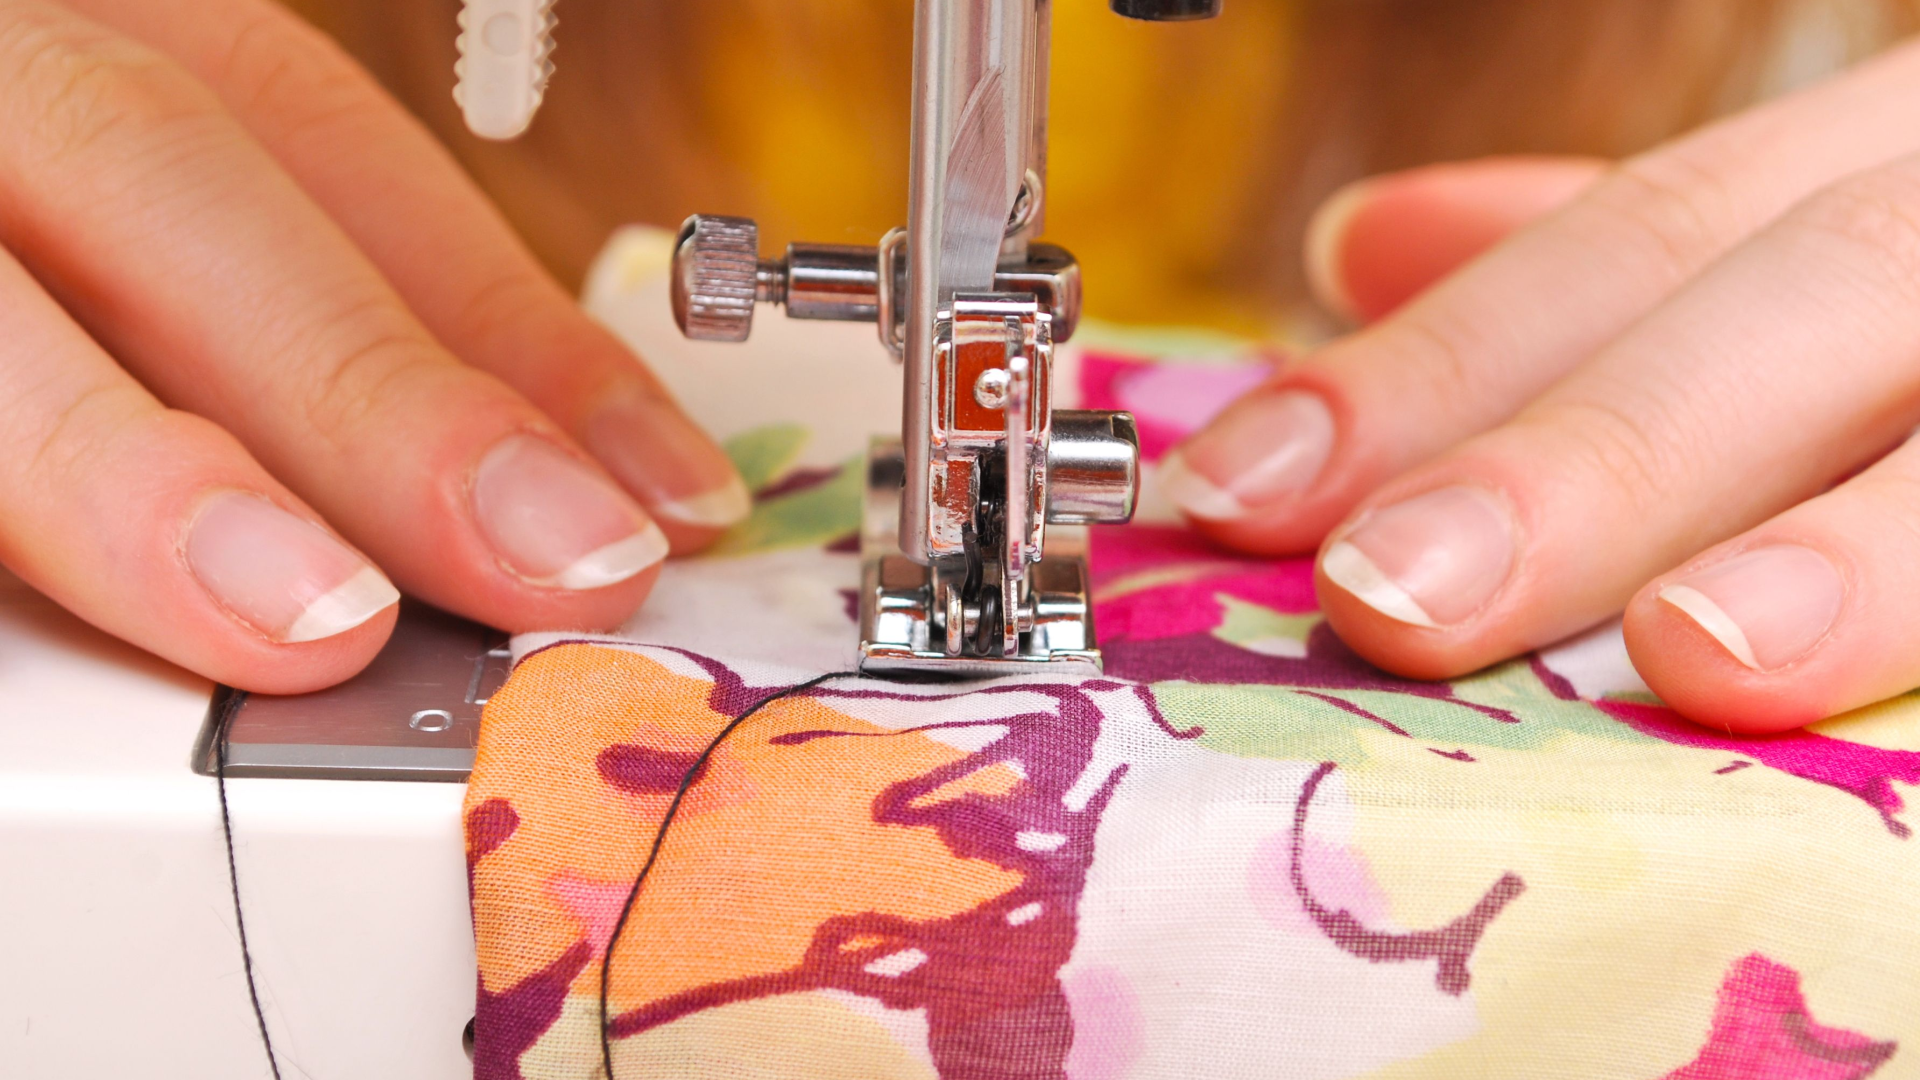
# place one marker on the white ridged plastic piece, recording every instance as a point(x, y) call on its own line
point(506, 56)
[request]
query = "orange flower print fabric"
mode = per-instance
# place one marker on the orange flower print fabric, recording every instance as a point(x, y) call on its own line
point(816, 851)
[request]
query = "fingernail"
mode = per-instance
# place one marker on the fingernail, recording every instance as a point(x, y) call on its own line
point(1431, 561)
point(1326, 237)
point(557, 522)
point(1267, 447)
point(280, 573)
point(667, 461)
point(1768, 606)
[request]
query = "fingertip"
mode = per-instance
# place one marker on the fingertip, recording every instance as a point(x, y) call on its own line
point(595, 610)
point(182, 545)
point(271, 601)
point(1407, 649)
point(265, 667)
point(1273, 534)
point(694, 523)
point(1421, 578)
point(1377, 243)
point(1325, 250)
point(686, 539)
point(1266, 475)
point(668, 463)
point(1694, 673)
point(566, 547)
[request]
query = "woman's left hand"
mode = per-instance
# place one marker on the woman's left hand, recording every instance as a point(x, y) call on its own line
point(1681, 387)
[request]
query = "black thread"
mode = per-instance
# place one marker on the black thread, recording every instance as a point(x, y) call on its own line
point(230, 710)
point(659, 838)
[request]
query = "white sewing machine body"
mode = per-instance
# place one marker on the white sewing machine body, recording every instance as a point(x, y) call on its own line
point(119, 954)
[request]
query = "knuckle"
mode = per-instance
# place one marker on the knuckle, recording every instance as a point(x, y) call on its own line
point(1670, 200)
point(1641, 459)
point(77, 435)
point(1441, 351)
point(371, 358)
point(1870, 221)
point(281, 68)
point(505, 297)
point(69, 84)
point(1468, 361)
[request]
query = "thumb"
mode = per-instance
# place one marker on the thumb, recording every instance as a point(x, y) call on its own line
point(1379, 242)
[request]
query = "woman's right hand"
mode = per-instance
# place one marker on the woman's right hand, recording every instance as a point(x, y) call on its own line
point(268, 353)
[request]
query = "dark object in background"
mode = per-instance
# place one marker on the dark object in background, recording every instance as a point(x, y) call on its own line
point(1168, 10)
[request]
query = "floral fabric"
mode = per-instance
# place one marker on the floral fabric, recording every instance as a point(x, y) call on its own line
point(1242, 852)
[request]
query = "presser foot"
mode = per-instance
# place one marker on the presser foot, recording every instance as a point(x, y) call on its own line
point(904, 608)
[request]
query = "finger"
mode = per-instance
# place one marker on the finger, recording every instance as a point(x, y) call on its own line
point(1808, 616)
point(157, 527)
point(187, 252)
point(1281, 467)
point(1791, 362)
point(404, 201)
point(1381, 241)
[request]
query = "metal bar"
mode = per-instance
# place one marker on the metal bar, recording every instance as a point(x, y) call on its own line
point(1029, 140)
point(1039, 110)
point(926, 206)
point(1013, 566)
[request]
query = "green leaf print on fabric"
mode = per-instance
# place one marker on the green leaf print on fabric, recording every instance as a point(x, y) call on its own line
point(1261, 629)
point(1506, 707)
point(764, 454)
point(811, 516)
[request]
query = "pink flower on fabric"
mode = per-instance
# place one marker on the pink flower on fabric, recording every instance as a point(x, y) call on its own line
point(1762, 1031)
point(596, 904)
point(1158, 582)
point(1107, 1029)
point(1338, 876)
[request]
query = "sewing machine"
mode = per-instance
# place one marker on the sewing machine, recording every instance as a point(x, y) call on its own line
point(120, 954)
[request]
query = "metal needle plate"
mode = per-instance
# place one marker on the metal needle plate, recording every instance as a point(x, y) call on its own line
point(413, 714)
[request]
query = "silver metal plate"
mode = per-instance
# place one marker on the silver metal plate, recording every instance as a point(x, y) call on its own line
point(413, 714)
point(897, 623)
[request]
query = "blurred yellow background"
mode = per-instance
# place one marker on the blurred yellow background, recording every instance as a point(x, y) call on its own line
point(1185, 159)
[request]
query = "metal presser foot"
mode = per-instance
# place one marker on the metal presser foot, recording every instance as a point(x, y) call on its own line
point(911, 619)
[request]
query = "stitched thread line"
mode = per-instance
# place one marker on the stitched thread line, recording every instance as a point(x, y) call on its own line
point(653, 854)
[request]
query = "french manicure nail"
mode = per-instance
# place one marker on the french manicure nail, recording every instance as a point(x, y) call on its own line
point(1265, 448)
point(280, 573)
point(668, 462)
point(1432, 560)
point(1768, 606)
point(557, 522)
point(1325, 262)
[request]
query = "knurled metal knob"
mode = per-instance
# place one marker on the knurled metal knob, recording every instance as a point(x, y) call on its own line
point(716, 265)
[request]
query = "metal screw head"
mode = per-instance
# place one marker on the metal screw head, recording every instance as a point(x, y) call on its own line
point(715, 263)
point(990, 389)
